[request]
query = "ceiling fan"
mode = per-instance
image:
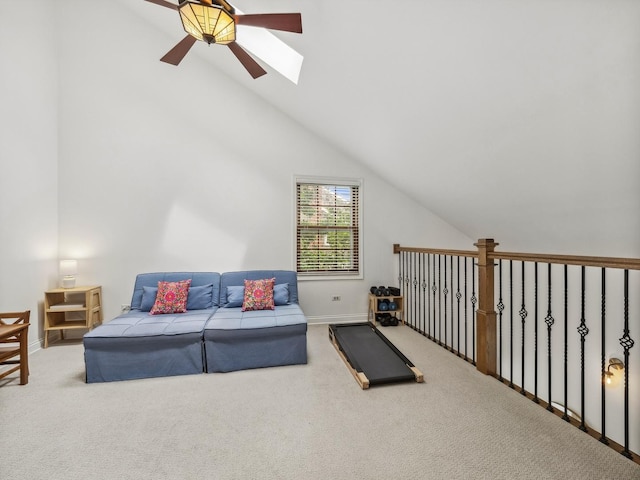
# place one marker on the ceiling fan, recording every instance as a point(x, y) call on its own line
point(214, 21)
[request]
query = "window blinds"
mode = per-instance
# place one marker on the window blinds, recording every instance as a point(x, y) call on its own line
point(328, 236)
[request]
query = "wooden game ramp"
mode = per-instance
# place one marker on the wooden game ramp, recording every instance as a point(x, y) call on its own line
point(371, 358)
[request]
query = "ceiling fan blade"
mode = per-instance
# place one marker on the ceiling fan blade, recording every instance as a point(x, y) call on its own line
point(263, 45)
point(287, 22)
point(177, 53)
point(162, 3)
point(253, 67)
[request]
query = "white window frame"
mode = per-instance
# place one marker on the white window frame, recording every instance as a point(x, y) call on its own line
point(351, 182)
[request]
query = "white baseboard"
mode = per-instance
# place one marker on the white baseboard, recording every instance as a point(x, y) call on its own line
point(326, 319)
point(35, 346)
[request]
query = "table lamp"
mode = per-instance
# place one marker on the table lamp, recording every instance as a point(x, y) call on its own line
point(68, 270)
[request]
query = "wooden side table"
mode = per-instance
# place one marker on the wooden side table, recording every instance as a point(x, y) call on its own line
point(71, 308)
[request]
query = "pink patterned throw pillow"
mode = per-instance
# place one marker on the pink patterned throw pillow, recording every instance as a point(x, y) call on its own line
point(171, 297)
point(258, 294)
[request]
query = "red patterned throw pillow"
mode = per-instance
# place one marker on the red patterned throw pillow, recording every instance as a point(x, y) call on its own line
point(258, 294)
point(171, 297)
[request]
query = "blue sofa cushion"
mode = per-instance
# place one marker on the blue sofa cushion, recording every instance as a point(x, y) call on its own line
point(141, 324)
point(148, 298)
point(281, 294)
point(235, 296)
point(200, 298)
point(226, 318)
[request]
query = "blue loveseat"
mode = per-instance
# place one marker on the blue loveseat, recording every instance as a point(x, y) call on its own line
point(214, 335)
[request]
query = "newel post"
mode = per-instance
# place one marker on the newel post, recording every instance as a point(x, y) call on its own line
point(486, 315)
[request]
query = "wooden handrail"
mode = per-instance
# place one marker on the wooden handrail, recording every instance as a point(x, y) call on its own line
point(605, 262)
point(441, 251)
point(587, 261)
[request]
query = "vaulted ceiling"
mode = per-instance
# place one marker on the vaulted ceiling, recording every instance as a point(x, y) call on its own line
point(513, 120)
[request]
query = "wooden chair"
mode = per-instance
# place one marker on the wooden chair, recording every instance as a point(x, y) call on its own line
point(14, 329)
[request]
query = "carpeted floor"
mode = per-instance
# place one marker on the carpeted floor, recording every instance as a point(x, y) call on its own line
point(298, 422)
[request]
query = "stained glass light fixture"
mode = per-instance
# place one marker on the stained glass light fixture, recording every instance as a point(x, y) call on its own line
point(209, 23)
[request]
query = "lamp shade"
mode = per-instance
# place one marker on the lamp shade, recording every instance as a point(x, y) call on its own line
point(209, 23)
point(68, 267)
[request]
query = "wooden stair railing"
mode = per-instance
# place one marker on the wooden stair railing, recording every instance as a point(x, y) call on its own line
point(432, 285)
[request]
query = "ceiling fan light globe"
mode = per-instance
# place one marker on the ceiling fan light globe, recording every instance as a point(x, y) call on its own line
point(208, 23)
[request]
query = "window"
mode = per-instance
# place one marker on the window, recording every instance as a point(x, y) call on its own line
point(328, 228)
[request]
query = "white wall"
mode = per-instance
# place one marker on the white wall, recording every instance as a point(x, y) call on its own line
point(165, 168)
point(516, 120)
point(28, 159)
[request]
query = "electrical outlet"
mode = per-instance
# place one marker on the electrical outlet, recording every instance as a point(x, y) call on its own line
point(336, 298)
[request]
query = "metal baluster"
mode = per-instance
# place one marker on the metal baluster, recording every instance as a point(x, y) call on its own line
point(434, 289)
point(627, 343)
point(420, 256)
point(523, 315)
point(439, 304)
point(400, 259)
point(407, 313)
point(458, 297)
point(415, 289)
point(401, 274)
point(474, 300)
point(603, 357)
point(429, 256)
point(445, 291)
point(500, 309)
point(416, 292)
point(424, 287)
point(451, 297)
point(583, 331)
point(549, 321)
point(466, 316)
point(400, 268)
point(565, 415)
point(408, 299)
point(535, 334)
point(511, 323)
point(407, 291)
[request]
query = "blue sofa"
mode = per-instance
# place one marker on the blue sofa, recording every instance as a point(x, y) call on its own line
point(214, 335)
point(237, 340)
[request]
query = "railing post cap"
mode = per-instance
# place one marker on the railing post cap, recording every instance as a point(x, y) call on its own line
point(485, 242)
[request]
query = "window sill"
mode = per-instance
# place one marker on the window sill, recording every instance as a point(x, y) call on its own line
point(312, 278)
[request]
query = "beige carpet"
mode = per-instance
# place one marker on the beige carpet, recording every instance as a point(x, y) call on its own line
point(299, 422)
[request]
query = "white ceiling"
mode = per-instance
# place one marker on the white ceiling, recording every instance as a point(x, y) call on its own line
point(514, 120)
